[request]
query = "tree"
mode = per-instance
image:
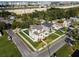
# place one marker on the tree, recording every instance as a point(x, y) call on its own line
point(75, 34)
point(2, 25)
point(70, 13)
point(5, 13)
point(16, 24)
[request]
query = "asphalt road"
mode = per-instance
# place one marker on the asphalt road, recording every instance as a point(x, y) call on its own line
point(23, 48)
point(53, 48)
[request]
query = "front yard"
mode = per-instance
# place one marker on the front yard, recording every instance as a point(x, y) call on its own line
point(67, 51)
point(8, 48)
point(37, 45)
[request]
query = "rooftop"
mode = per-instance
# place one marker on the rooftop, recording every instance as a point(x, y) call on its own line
point(47, 24)
point(38, 27)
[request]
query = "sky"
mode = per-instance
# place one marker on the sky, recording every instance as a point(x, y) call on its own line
point(39, 0)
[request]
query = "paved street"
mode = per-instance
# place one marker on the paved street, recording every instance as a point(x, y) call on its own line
point(53, 48)
point(23, 48)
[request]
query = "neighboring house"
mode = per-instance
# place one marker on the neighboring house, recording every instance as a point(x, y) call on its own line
point(38, 32)
point(74, 18)
point(11, 17)
point(58, 25)
point(67, 23)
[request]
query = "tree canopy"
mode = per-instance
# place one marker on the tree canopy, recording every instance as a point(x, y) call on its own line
point(48, 15)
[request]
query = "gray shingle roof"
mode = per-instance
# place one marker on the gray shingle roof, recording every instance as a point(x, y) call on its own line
point(47, 24)
point(38, 27)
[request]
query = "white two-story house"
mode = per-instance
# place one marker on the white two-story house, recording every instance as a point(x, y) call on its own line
point(39, 32)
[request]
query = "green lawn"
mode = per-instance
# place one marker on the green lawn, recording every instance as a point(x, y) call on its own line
point(37, 45)
point(65, 51)
point(50, 38)
point(77, 44)
point(8, 48)
point(59, 32)
point(65, 29)
point(27, 32)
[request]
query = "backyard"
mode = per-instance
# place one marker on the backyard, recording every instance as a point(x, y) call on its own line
point(59, 32)
point(8, 48)
point(50, 38)
point(53, 36)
